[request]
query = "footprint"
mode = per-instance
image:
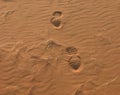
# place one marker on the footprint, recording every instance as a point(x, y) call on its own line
point(56, 21)
point(71, 50)
point(75, 62)
point(52, 44)
point(57, 13)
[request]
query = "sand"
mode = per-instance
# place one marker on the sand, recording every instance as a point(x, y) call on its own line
point(59, 47)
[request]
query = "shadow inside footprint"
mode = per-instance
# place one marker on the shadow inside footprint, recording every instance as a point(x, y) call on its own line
point(75, 62)
point(71, 50)
point(56, 22)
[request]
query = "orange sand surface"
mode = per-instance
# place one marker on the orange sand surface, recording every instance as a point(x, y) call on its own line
point(59, 47)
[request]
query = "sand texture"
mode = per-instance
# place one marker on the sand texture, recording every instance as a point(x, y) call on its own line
point(59, 47)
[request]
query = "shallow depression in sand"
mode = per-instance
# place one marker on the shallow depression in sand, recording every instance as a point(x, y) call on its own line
point(59, 47)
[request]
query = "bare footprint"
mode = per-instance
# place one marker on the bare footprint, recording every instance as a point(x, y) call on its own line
point(56, 19)
point(75, 62)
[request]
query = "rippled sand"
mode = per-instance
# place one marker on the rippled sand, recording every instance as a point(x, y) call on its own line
point(59, 47)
